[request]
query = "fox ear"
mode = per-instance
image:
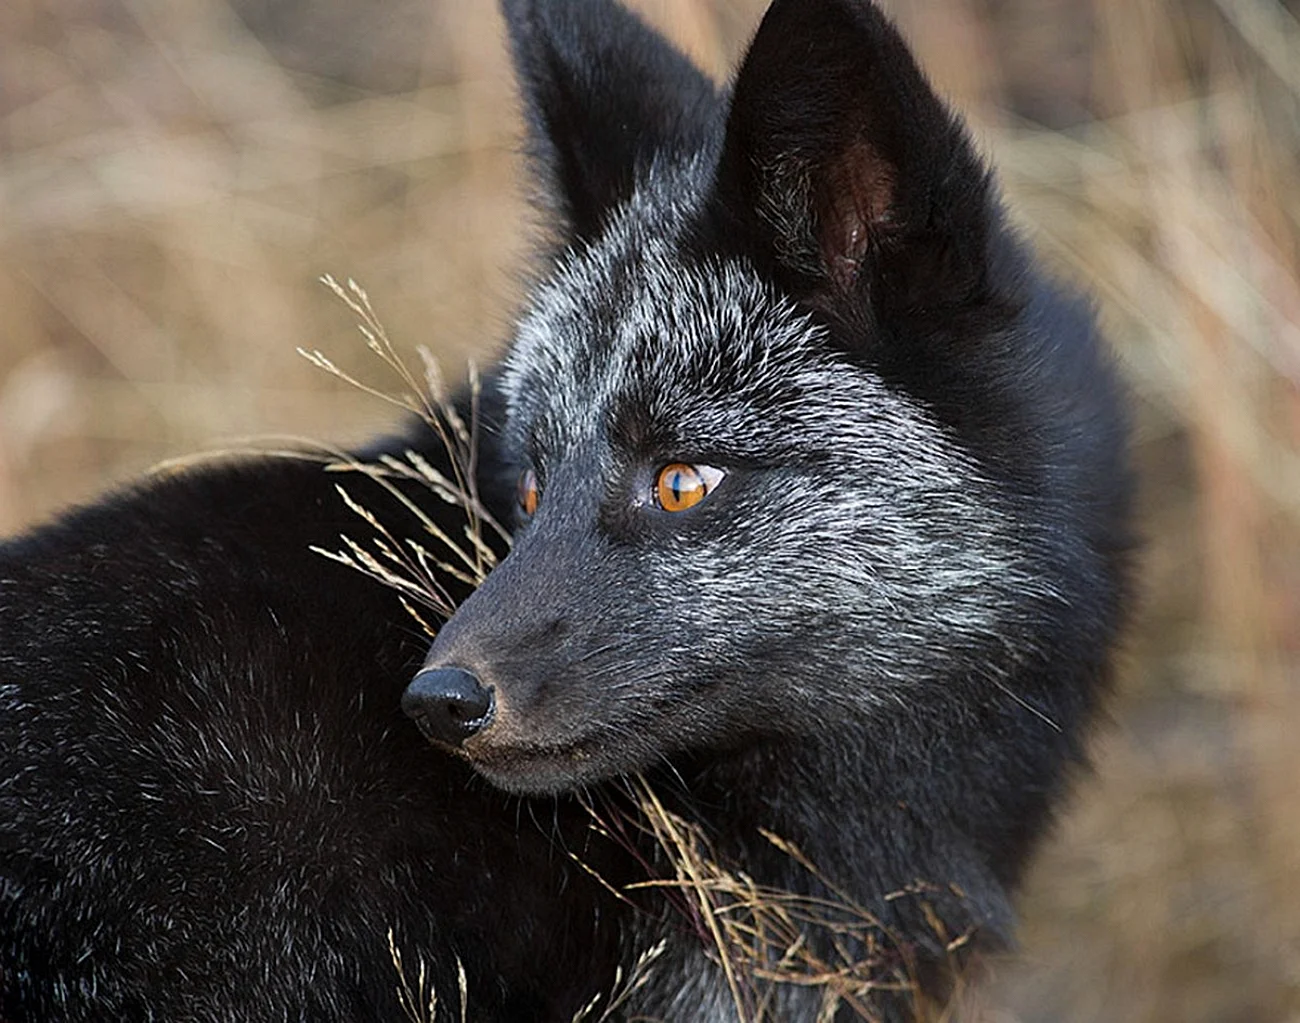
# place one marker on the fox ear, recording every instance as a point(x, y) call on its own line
point(604, 97)
point(841, 167)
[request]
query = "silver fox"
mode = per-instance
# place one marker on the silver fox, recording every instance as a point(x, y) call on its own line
point(822, 533)
point(824, 502)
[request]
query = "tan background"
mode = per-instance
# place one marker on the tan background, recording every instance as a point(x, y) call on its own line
point(174, 174)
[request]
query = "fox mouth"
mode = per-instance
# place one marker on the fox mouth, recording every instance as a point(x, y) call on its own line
point(535, 769)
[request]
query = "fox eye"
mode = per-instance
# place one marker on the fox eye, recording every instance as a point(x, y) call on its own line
point(528, 495)
point(680, 486)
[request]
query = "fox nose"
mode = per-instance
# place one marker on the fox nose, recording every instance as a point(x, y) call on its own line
point(448, 704)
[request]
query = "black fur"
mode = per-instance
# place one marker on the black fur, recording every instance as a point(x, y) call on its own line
point(211, 807)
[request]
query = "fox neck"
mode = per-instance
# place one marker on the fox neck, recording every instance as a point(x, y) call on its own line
point(886, 830)
point(915, 897)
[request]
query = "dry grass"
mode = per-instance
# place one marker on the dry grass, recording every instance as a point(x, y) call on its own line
point(415, 566)
point(174, 174)
point(417, 996)
point(763, 938)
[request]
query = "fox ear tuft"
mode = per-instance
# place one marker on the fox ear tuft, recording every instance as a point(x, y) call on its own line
point(605, 97)
point(841, 164)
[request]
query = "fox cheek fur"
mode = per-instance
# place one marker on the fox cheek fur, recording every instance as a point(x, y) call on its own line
point(810, 286)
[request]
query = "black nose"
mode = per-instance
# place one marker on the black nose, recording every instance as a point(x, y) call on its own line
point(448, 704)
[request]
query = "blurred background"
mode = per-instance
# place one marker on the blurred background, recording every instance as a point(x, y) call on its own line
point(175, 175)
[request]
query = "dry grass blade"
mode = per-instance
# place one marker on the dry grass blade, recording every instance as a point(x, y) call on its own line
point(418, 1006)
point(420, 1001)
point(416, 570)
point(624, 987)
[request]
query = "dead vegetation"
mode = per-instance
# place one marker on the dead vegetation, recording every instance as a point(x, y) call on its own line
point(415, 566)
point(762, 937)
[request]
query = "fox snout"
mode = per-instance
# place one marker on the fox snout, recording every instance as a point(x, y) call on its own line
point(555, 689)
point(488, 687)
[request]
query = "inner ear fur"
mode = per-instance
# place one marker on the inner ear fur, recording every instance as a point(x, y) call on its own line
point(840, 162)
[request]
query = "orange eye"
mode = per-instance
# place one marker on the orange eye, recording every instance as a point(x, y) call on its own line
point(528, 495)
point(680, 486)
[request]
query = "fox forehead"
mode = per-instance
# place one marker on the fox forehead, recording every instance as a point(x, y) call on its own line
point(630, 310)
point(705, 347)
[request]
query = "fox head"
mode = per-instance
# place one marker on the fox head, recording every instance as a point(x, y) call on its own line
point(803, 438)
